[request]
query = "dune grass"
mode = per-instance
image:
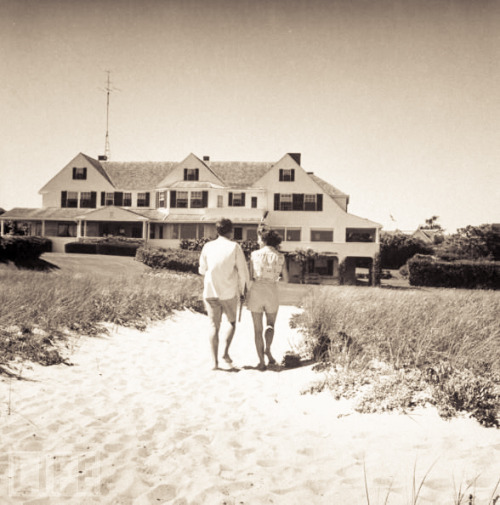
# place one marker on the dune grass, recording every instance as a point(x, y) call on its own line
point(39, 309)
point(401, 348)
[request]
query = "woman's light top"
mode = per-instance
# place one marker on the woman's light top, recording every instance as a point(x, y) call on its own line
point(266, 264)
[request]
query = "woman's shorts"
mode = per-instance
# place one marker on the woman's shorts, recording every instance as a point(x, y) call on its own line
point(263, 297)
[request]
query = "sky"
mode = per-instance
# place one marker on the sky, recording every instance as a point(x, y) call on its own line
point(394, 102)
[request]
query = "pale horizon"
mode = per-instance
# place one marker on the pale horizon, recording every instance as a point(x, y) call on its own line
point(395, 103)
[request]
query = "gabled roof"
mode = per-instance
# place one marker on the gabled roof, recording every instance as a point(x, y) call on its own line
point(239, 174)
point(96, 164)
point(327, 187)
point(137, 174)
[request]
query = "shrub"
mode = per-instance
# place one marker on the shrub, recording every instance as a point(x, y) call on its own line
point(397, 248)
point(459, 274)
point(193, 244)
point(171, 259)
point(80, 248)
point(22, 249)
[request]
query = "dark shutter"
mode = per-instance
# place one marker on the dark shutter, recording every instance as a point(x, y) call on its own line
point(292, 176)
point(157, 199)
point(281, 174)
point(298, 201)
point(185, 174)
point(196, 174)
point(118, 198)
point(147, 199)
point(276, 201)
point(74, 172)
point(93, 199)
point(64, 199)
point(204, 198)
point(103, 198)
point(242, 199)
point(319, 201)
point(85, 173)
point(173, 199)
point(230, 201)
point(254, 202)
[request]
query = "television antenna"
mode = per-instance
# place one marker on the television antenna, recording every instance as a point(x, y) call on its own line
point(109, 89)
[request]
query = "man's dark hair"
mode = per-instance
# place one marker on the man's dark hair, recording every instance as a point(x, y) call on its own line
point(270, 237)
point(224, 226)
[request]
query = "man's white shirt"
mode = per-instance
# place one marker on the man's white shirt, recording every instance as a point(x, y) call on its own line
point(223, 264)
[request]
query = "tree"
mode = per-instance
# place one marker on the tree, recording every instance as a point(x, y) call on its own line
point(397, 248)
point(431, 224)
point(302, 257)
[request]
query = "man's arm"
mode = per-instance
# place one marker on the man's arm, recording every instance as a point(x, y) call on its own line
point(203, 267)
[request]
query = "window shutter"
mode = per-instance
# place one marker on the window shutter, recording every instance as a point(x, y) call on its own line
point(85, 173)
point(173, 199)
point(276, 201)
point(74, 172)
point(103, 198)
point(204, 198)
point(292, 177)
point(93, 199)
point(298, 201)
point(254, 202)
point(147, 199)
point(230, 202)
point(185, 174)
point(64, 199)
point(157, 199)
point(242, 199)
point(118, 198)
point(281, 174)
point(197, 174)
point(319, 201)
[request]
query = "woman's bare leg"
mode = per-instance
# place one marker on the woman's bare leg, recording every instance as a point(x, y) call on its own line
point(259, 342)
point(269, 335)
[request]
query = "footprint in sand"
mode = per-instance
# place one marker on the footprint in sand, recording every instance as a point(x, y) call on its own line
point(162, 494)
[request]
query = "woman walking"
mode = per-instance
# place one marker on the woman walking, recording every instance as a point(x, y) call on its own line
point(266, 268)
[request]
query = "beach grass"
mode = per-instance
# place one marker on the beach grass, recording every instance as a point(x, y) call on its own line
point(402, 348)
point(40, 309)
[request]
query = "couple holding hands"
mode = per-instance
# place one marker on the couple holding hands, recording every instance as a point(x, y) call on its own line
point(227, 278)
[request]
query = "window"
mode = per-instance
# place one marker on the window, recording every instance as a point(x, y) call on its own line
point(251, 233)
point(237, 233)
point(309, 202)
point(79, 173)
point(287, 174)
point(321, 235)
point(191, 174)
point(236, 200)
point(161, 199)
point(292, 235)
point(88, 200)
point(280, 232)
point(187, 231)
point(360, 234)
point(72, 200)
point(127, 199)
point(220, 201)
point(152, 231)
point(66, 229)
point(196, 200)
point(182, 199)
point(109, 199)
point(254, 202)
point(286, 201)
point(142, 199)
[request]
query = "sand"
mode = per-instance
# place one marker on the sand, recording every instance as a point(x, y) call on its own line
point(142, 419)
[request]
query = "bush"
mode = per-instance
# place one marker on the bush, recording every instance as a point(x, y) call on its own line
point(193, 244)
point(80, 248)
point(171, 259)
point(397, 248)
point(22, 249)
point(117, 249)
point(459, 274)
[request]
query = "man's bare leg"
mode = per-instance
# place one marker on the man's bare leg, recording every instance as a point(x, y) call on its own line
point(229, 339)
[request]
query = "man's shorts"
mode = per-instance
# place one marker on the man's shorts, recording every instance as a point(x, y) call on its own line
point(215, 307)
point(263, 297)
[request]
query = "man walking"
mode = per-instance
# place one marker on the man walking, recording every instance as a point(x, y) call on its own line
point(223, 264)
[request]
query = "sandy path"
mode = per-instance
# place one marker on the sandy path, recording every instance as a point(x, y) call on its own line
point(141, 419)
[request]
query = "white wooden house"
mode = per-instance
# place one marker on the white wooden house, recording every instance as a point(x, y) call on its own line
point(164, 202)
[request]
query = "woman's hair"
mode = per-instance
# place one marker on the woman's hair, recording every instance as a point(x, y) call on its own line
point(269, 237)
point(224, 226)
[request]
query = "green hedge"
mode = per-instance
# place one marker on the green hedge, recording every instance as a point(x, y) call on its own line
point(19, 249)
point(113, 247)
point(180, 260)
point(458, 274)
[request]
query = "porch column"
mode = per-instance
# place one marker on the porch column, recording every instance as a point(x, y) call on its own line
point(1, 228)
point(84, 229)
point(43, 228)
point(79, 229)
point(145, 230)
